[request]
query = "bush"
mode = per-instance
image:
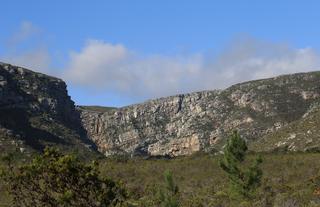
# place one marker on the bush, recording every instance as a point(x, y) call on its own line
point(53, 179)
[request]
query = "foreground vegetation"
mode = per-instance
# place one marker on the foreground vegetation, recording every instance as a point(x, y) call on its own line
point(55, 180)
point(288, 180)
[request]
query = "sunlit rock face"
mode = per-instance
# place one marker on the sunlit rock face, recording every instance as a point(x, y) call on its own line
point(201, 121)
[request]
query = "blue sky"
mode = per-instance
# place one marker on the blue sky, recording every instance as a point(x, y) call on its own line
point(117, 53)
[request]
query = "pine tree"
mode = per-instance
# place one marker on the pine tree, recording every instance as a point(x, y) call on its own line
point(169, 197)
point(244, 181)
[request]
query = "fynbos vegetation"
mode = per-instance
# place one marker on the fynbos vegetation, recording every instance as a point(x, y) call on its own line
point(53, 180)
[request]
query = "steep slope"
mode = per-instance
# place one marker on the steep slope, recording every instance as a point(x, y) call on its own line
point(184, 124)
point(35, 111)
point(300, 135)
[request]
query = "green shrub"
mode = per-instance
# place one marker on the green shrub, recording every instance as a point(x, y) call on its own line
point(53, 179)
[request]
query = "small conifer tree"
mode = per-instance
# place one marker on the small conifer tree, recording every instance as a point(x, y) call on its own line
point(244, 180)
point(169, 196)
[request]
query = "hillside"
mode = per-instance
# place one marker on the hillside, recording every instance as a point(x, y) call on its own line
point(36, 111)
point(201, 121)
point(300, 135)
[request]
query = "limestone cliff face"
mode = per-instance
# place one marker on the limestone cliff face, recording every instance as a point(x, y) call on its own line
point(35, 111)
point(183, 124)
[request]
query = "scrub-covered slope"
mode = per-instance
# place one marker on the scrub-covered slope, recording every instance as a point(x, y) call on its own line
point(300, 135)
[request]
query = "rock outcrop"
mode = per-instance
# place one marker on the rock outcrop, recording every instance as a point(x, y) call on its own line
point(183, 124)
point(35, 111)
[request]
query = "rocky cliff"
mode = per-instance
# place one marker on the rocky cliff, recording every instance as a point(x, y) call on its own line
point(280, 112)
point(183, 124)
point(35, 111)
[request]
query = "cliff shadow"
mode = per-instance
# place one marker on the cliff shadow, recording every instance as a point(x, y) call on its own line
point(17, 120)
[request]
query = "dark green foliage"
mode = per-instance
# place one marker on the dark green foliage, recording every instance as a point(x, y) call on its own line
point(169, 196)
point(243, 181)
point(53, 179)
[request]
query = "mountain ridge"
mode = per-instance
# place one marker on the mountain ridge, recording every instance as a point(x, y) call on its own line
point(36, 111)
point(272, 103)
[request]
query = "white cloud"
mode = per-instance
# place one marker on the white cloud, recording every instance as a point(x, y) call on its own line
point(25, 48)
point(113, 68)
point(25, 31)
point(37, 59)
point(109, 67)
point(98, 64)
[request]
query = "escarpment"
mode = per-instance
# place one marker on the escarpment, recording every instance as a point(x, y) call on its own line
point(201, 121)
point(281, 112)
point(36, 111)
